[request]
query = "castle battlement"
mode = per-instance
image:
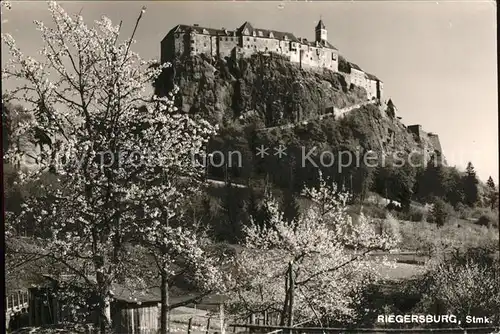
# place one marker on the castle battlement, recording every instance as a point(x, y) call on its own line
point(191, 40)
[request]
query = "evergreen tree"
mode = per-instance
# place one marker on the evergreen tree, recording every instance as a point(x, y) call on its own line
point(492, 193)
point(391, 110)
point(431, 181)
point(439, 213)
point(490, 183)
point(470, 182)
point(453, 186)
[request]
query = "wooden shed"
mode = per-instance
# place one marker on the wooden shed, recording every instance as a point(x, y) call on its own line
point(46, 307)
point(135, 313)
point(130, 312)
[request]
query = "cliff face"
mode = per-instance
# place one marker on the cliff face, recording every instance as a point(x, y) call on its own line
point(278, 91)
point(275, 92)
point(374, 130)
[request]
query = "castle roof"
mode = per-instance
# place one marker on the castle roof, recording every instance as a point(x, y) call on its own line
point(320, 25)
point(246, 29)
point(323, 44)
point(372, 77)
point(267, 33)
point(180, 28)
point(327, 44)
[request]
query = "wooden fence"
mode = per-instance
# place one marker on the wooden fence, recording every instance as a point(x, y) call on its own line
point(16, 301)
point(268, 329)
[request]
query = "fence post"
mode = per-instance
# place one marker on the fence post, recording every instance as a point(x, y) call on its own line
point(208, 326)
point(221, 315)
point(189, 325)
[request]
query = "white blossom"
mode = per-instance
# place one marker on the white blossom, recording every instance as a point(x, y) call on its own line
point(86, 91)
point(329, 255)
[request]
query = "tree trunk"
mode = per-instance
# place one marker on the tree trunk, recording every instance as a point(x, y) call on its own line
point(285, 304)
point(103, 317)
point(292, 287)
point(164, 328)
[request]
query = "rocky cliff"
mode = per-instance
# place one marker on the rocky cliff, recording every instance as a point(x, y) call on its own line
point(275, 92)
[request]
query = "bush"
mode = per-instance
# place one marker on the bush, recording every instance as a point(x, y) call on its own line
point(390, 226)
point(440, 212)
point(414, 214)
point(488, 220)
point(463, 285)
point(462, 210)
point(369, 210)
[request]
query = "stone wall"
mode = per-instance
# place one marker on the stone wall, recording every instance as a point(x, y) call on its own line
point(226, 44)
point(200, 43)
point(358, 78)
point(371, 88)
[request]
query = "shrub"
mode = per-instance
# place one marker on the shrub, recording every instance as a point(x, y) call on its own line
point(463, 285)
point(462, 210)
point(414, 214)
point(488, 220)
point(440, 212)
point(390, 226)
point(369, 210)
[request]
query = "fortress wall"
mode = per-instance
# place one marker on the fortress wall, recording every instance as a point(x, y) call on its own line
point(226, 44)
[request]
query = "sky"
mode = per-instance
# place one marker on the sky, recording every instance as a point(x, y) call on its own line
point(437, 59)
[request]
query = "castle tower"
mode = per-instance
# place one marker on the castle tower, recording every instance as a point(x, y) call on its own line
point(321, 32)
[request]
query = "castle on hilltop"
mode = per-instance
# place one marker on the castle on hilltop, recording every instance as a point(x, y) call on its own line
point(185, 40)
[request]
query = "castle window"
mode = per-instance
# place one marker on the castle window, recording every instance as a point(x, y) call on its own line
point(271, 35)
point(245, 32)
point(192, 48)
point(205, 44)
point(192, 41)
point(248, 39)
point(253, 33)
point(260, 33)
point(255, 39)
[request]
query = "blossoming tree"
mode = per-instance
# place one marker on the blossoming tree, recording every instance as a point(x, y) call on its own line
point(312, 268)
point(122, 158)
